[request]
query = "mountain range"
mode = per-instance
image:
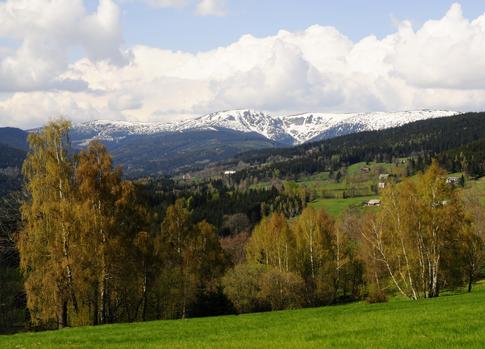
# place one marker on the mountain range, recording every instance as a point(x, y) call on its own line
point(165, 148)
point(285, 130)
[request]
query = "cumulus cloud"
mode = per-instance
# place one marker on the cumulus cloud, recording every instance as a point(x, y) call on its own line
point(46, 31)
point(211, 8)
point(32, 109)
point(451, 51)
point(438, 65)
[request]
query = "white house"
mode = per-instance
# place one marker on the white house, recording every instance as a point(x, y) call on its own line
point(384, 177)
point(452, 180)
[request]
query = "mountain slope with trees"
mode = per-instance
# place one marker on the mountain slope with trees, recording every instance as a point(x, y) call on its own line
point(451, 140)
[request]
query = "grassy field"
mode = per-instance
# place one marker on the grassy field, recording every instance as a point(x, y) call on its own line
point(354, 168)
point(450, 321)
point(353, 179)
point(326, 187)
point(478, 187)
point(335, 207)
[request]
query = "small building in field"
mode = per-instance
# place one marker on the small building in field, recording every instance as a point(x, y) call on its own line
point(373, 202)
point(452, 180)
point(437, 204)
point(381, 185)
point(383, 177)
point(364, 169)
point(229, 172)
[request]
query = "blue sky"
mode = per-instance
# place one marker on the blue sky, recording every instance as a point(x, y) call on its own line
point(179, 28)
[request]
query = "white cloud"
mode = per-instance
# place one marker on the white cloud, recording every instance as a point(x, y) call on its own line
point(438, 65)
point(211, 8)
point(46, 32)
point(33, 109)
point(450, 52)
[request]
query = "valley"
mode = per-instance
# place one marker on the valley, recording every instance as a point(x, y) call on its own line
point(243, 218)
point(242, 174)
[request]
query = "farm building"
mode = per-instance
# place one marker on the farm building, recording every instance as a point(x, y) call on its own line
point(384, 177)
point(452, 180)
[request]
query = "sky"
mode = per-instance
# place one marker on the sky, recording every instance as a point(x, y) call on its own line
point(166, 60)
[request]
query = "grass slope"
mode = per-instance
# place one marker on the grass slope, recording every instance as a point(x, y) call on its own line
point(453, 321)
point(336, 207)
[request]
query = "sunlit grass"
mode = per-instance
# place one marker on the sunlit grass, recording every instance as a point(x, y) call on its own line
point(450, 321)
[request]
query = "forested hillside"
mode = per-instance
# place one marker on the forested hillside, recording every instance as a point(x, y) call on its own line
point(167, 153)
point(454, 141)
point(14, 137)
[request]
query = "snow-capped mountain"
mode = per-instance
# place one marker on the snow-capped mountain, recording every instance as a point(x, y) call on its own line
point(314, 126)
point(293, 129)
point(245, 120)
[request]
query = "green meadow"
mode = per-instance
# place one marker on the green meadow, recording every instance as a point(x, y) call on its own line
point(335, 207)
point(450, 321)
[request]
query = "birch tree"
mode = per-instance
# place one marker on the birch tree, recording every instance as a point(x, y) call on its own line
point(191, 258)
point(46, 243)
point(317, 253)
point(416, 233)
point(101, 195)
point(272, 243)
point(473, 238)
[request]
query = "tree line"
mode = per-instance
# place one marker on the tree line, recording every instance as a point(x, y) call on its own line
point(96, 248)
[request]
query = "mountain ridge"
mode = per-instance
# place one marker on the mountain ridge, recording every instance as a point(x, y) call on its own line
point(287, 130)
point(166, 148)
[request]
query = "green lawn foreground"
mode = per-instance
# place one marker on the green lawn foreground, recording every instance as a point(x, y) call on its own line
point(450, 321)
